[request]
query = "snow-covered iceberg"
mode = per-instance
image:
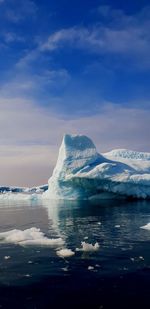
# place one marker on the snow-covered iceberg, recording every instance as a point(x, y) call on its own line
point(82, 173)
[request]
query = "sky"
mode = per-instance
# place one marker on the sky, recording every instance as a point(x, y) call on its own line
point(78, 67)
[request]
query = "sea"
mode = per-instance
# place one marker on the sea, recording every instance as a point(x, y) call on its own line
point(115, 275)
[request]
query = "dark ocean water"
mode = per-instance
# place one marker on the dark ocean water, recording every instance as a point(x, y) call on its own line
point(35, 277)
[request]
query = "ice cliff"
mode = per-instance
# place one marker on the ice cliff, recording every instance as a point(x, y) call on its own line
point(82, 173)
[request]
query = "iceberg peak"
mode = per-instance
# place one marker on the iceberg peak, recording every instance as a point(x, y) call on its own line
point(75, 152)
point(77, 147)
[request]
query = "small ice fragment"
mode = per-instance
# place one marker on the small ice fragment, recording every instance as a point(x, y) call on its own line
point(65, 268)
point(7, 257)
point(32, 236)
point(99, 223)
point(125, 268)
point(141, 258)
point(88, 247)
point(65, 253)
point(86, 237)
point(117, 225)
point(132, 259)
point(146, 227)
point(90, 267)
point(30, 262)
point(28, 275)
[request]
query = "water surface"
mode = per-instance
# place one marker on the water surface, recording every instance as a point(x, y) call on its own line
point(119, 272)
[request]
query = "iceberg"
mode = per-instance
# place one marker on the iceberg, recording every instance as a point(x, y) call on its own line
point(82, 173)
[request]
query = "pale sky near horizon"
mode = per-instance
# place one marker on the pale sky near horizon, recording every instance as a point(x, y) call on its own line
point(79, 67)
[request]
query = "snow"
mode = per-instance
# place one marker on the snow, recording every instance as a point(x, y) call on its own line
point(32, 236)
point(82, 173)
point(146, 227)
point(86, 247)
point(65, 253)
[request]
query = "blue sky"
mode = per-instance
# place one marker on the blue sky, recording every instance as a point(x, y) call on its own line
point(75, 67)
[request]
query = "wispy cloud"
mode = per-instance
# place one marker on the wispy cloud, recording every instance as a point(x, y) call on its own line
point(11, 37)
point(126, 35)
point(20, 10)
point(28, 84)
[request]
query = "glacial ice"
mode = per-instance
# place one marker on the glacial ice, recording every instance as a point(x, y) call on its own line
point(39, 189)
point(146, 227)
point(82, 173)
point(65, 253)
point(86, 247)
point(31, 236)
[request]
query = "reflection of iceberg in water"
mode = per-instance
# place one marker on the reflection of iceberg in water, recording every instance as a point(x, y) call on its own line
point(78, 221)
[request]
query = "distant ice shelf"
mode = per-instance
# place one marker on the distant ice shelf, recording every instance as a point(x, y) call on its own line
point(9, 193)
point(82, 173)
point(7, 189)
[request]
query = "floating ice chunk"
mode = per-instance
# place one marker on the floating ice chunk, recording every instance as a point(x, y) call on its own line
point(117, 226)
point(132, 259)
point(65, 253)
point(141, 258)
point(88, 247)
point(32, 236)
point(27, 275)
point(65, 268)
point(146, 227)
point(90, 267)
point(7, 257)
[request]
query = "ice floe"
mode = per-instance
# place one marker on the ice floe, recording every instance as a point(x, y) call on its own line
point(32, 236)
point(86, 247)
point(65, 253)
point(146, 227)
